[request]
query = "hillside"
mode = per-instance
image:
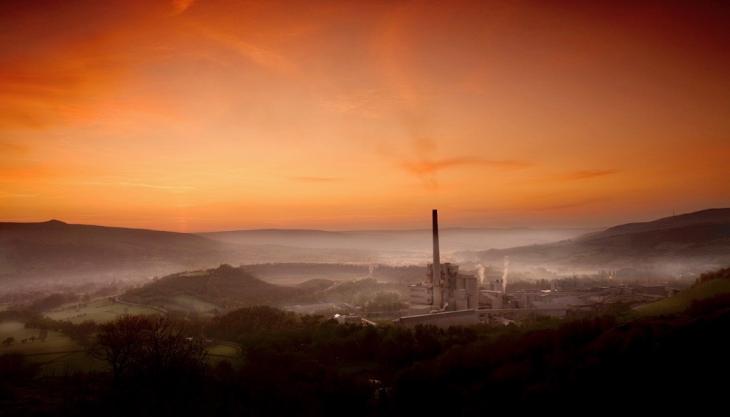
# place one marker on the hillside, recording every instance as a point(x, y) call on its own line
point(712, 285)
point(61, 252)
point(226, 287)
point(709, 216)
point(212, 289)
point(679, 244)
point(57, 250)
point(294, 273)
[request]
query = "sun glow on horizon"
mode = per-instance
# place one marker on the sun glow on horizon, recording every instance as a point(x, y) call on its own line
point(208, 115)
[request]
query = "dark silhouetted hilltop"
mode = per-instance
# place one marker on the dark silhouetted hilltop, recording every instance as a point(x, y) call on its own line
point(57, 250)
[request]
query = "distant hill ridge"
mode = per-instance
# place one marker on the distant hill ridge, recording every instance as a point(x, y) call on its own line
point(686, 243)
point(54, 250)
point(9, 229)
point(708, 216)
point(58, 250)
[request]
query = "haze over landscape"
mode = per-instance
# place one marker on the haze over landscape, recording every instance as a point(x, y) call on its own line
point(371, 208)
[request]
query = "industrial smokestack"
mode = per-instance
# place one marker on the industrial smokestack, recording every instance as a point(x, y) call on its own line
point(504, 274)
point(481, 269)
point(436, 279)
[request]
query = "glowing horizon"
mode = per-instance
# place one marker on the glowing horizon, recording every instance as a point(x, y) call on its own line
point(211, 115)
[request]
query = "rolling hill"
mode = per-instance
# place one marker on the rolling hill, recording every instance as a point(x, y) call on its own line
point(295, 273)
point(57, 250)
point(224, 287)
point(227, 287)
point(62, 252)
point(686, 243)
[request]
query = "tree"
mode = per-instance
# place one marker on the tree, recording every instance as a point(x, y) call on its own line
point(148, 346)
point(119, 342)
point(8, 341)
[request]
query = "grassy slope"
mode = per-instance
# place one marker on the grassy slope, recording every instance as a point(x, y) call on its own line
point(101, 311)
point(56, 355)
point(681, 301)
point(222, 287)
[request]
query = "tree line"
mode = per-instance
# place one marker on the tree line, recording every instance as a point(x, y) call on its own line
point(307, 365)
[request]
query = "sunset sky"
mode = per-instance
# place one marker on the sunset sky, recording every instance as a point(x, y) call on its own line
point(206, 115)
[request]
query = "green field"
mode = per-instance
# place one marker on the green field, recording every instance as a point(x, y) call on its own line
point(101, 311)
point(54, 342)
point(57, 355)
point(223, 349)
point(190, 304)
point(223, 352)
point(684, 299)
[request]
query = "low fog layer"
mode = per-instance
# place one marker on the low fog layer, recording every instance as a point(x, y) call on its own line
point(452, 239)
point(676, 246)
point(61, 254)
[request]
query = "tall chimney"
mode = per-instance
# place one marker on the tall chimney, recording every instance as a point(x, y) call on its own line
point(436, 279)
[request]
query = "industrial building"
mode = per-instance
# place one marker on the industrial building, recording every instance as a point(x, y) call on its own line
point(445, 288)
point(448, 297)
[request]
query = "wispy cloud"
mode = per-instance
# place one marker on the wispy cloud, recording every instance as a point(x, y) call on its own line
point(179, 188)
point(314, 179)
point(256, 53)
point(47, 93)
point(366, 103)
point(427, 169)
point(152, 186)
point(432, 166)
point(7, 147)
point(179, 6)
point(422, 159)
point(590, 173)
point(569, 204)
point(4, 194)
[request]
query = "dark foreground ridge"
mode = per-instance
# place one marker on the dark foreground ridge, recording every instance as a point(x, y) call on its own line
point(303, 365)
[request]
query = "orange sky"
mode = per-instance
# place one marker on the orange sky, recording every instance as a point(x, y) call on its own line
point(201, 115)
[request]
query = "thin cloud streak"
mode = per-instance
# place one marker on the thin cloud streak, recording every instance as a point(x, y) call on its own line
point(427, 169)
point(160, 187)
point(257, 54)
point(315, 179)
point(180, 6)
point(432, 166)
point(569, 205)
point(590, 173)
point(16, 195)
point(12, 148)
